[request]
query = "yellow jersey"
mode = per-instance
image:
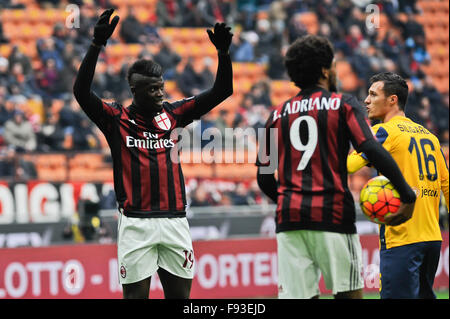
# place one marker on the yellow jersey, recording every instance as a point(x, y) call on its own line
point(420, 158)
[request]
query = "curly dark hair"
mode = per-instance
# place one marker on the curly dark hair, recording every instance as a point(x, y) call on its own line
point(394, 84)
point(145, 67)
point(305, 59)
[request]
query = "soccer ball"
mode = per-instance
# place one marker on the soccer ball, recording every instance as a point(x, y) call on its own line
point(379, 198)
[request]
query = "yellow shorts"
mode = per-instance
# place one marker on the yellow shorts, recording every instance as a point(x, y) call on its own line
point(145, 244)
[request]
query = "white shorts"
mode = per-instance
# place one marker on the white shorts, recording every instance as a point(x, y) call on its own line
point(303, 255)
point(145, 244)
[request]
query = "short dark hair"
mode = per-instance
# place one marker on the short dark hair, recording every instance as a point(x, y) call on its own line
point(305, 59)
point(394, 84)
point(145, 67)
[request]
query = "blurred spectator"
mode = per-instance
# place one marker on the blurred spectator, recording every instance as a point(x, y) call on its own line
point(7, 109)
point(167, 58)
point(7, 163)
point(51, 136)
point(82, 36)
point(240, 196)
point(48, 79)
point(295, 28)
point(439, 110)
point(59, 35)
point(151, 32)
point(70, 115)
point(15, 167)
point(357, 18)
point(131, 30)
point(214, 10)
point(206, 71)
point(418, 50)
point(360, 62)
point(275, 67)
point(197, 14)
point(84, 137)
point(5, 77)
point(241, 50)
point(12, 4)
point(17, 56)
point(21, 83)
point(200, 197)
point(411, 29)
point(353, 38)
point(19, 133)
point(260, 92)
point(32, 116)
point(408, 6)
point(391, 45)
point(115, 84)
point(71, 65)
point(194, 78)
point(169, 13)
point(78, 129)
point(268, 41)
point(277, 16)
point(246, 13)
point(47, 50)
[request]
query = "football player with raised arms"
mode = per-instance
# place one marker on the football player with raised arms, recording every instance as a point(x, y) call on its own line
point(153, 232)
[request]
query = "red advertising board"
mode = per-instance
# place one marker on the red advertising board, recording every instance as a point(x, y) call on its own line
point(244, 268)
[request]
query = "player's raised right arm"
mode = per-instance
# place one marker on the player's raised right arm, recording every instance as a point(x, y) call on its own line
point(87, 99)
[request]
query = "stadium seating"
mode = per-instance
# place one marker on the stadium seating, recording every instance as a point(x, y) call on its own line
point(51, 167)
point(434, 18)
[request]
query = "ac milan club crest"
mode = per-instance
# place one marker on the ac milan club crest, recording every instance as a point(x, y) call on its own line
point(123, 272)
point(163, 121)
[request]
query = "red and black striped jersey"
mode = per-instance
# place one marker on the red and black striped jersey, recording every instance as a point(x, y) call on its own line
point(148, 179)
point(314, 130)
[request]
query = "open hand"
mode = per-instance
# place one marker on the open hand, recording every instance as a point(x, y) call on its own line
point(103, 29)
point(221, 37)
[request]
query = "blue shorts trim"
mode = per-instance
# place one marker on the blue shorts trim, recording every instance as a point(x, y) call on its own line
point(407, 272)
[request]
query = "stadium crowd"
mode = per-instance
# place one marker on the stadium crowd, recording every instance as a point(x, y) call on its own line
point(258, 38)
